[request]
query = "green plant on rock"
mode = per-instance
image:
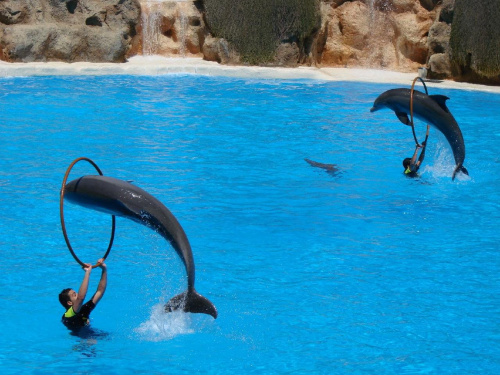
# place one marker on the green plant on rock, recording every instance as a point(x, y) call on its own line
point(475, 36)
point(255, 28)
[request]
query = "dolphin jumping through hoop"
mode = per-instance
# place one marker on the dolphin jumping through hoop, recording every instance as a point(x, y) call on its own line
point(121, 198)
point(429, 108)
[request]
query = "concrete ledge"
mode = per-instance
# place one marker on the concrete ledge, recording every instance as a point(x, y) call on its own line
point(156, 65)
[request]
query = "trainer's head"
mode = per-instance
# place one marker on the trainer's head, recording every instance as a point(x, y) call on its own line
point(66, 297)
point(406, 163)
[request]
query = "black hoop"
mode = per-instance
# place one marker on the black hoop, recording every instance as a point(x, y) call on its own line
point(61, 211)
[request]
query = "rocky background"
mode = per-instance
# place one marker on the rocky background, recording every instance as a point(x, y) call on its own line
point(400, 35)
point(67, 30)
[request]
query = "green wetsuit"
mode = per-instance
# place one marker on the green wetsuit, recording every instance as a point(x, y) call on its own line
point(80, 319)
point(411, 172)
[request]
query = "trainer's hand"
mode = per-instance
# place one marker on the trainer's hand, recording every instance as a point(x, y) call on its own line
point(101, 264)
point(87, 267)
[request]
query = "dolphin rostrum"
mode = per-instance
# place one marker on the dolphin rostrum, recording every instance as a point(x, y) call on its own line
point(121, 198)
point(431, 109)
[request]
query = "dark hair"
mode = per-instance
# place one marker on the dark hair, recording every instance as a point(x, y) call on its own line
point(64, 297)
point(406, 162)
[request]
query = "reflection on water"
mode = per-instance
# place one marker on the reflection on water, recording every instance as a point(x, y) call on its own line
point(88, 339)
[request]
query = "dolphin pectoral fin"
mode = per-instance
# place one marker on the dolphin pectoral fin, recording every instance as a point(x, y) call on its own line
point(193, 302)
point(403, 117)
point(441, 101)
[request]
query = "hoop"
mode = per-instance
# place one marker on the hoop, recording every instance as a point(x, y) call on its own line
point(411, 106)
point(61, 212)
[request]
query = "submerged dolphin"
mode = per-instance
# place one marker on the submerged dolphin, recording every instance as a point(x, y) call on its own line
point(120, 198)
point(431, 109)
point(329, 168)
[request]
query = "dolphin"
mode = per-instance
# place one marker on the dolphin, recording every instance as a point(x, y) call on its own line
point(329, 168)
point(431, 109)
point(121, 198)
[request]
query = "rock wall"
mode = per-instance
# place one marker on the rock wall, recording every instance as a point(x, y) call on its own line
point(400, 35)
point(67, 30)
point(439, 42)
point(475, 41)
point(170, 28)
point(388, 34)
point(377, 34)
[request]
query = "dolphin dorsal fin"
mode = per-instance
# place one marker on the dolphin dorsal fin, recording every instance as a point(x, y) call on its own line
point(403, 117)
point(441, 101)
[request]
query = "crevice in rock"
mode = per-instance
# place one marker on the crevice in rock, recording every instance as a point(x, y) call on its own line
point(93, 21)
point(71, 6)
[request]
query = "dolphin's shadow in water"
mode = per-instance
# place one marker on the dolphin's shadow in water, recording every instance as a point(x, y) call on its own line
point(331, 169)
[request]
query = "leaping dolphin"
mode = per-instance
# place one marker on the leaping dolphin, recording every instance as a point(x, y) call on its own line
point(121, 198)
point(431, 109)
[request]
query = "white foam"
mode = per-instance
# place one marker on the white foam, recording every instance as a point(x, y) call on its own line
point(163, 326)
point(444, 163)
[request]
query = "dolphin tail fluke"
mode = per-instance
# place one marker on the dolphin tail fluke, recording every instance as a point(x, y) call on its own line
point(193, 302)
point(459, 168)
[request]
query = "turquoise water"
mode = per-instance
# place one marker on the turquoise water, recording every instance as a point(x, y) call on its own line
point(359, 271)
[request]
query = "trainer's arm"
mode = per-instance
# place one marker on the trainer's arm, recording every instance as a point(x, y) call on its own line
point(414, 157)
point(82, 292)
point(101, 288)
point(424, 145)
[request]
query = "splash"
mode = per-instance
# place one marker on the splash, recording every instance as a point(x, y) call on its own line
point(444, 164)
point(162, 326)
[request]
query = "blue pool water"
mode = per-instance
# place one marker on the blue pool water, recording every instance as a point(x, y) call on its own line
point(362, 271)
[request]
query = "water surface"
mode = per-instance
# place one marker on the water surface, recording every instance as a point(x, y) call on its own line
point(358, 271)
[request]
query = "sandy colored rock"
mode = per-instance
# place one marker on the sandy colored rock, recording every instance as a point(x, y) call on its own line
point(85, 30)
point(171, 28)
point(390, 36)
point(439, 65)
point(400, 35)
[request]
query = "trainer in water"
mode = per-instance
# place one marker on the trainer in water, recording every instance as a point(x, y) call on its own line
point(121, 198)
point(412, 165)
point(429, 108)
point(77, 313)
